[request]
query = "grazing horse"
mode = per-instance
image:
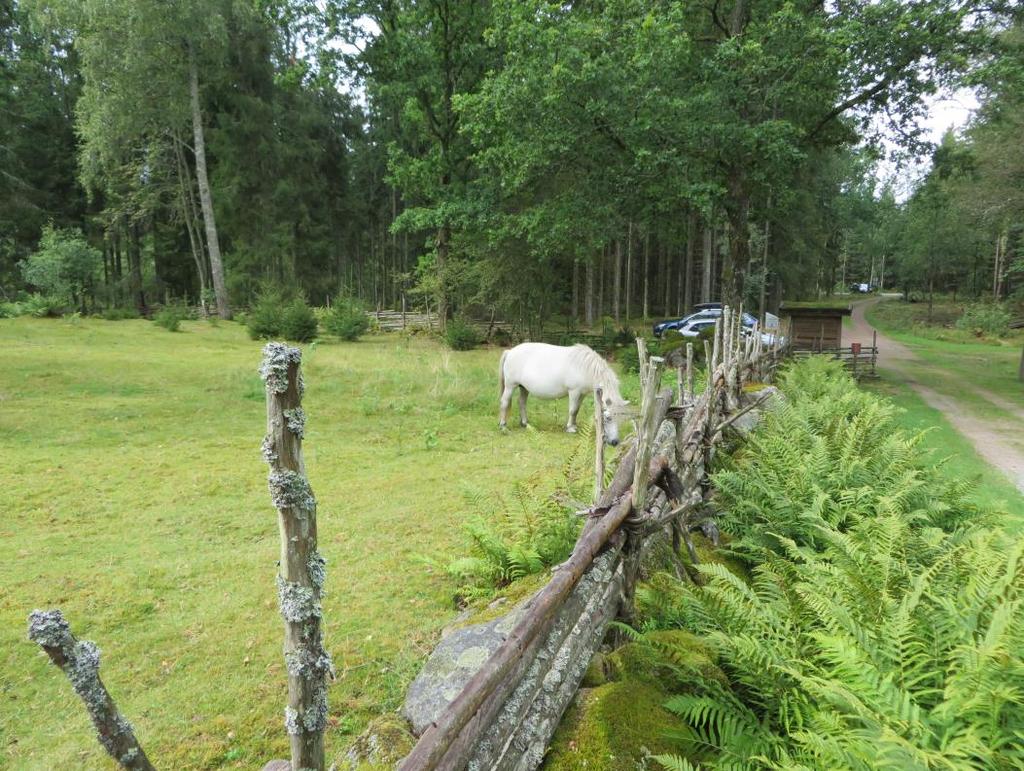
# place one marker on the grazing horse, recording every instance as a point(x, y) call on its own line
point(551, 372)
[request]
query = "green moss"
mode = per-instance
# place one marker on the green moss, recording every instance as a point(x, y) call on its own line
point(614, 728)
point(507, 598)
point(385, 741)
point(707, 553)
point(662, 659)
point(597, 673)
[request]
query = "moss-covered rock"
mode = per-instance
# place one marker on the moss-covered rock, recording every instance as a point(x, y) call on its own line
point(385, 741)
point(662, 659)
point(616, 727)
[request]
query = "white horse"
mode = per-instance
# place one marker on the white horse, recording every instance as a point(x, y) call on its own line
point(551, 372)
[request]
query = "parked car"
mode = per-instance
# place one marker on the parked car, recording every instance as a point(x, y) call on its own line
point(703, 311)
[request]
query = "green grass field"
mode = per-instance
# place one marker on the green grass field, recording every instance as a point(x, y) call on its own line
point(135, 499)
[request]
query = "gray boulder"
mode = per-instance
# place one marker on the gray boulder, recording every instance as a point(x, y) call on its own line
point(454, 661)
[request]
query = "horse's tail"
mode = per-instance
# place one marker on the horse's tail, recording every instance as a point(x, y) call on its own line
point(501, 374)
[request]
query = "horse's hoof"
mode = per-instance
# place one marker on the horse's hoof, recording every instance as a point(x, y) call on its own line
point(502, 427)
point(570, 429)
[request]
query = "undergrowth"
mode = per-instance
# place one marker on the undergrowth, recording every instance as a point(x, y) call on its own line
point(882, 626)
point(528, 530)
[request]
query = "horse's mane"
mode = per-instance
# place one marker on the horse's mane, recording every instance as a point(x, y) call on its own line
point(590, 360)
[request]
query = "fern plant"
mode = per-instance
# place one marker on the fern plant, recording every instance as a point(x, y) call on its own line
point(882, 626)
point(522, 533)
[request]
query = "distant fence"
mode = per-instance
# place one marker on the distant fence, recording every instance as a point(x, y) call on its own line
point(504, 717)
point(861, 360)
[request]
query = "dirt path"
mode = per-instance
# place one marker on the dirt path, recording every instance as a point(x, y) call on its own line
point(987, 436)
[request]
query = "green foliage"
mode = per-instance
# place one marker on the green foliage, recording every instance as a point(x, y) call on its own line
point(119, 314)
point(461, 335)
point(42, 306)
point(831, 451)
point(170, 317)
point(524, 533)
point(347, 318)
point(266, 318)
point(881, 628)
point(985, 319)
point(65, 265)
point(298, 322)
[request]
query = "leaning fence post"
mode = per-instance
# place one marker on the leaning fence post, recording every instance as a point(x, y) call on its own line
point(599, 443)
point(645, 431)
point(300, 576)
point(80, 661)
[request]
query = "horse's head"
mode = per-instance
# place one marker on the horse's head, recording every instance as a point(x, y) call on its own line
point(612, 411)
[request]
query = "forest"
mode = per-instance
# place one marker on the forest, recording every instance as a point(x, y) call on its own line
point(538, 162)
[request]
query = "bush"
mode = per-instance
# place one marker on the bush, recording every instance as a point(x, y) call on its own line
point(43, 306)
point(170, 317)
point(985, 319)
point(119, 314)
point(267, 316)
point(298, 322)
point(347, 319)
point(10, 310)
point(460, 335)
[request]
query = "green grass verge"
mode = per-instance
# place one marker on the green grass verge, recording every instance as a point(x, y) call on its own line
point(135, 499)
point(946, 443)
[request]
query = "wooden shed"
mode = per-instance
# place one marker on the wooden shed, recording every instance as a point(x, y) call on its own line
point(814, 327)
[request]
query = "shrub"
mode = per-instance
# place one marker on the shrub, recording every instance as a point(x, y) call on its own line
point(43, 306)
point(298, 322)
point(985, 319)
point(10, 310)
point(119, 314)
point(170, 317)
point(879, 628)
point(460, 335)
point(266, 318)
point(347, 319)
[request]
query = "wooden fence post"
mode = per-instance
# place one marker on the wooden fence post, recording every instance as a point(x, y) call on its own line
point(598, 443)
point(301, 573)
point(80, 661)
point(645, 430)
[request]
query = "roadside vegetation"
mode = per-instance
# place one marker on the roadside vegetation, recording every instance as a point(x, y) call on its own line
point(881, 623)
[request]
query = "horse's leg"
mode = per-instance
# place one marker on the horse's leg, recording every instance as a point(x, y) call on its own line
point(523, 393)
point(506, 402)
point(575, 399)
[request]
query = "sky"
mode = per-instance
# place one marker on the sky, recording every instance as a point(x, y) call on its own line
point(945, 110)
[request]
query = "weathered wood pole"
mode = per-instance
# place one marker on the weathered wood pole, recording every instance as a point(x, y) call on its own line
point(646, 429)
point(598, 443)
point(300, 579)
point(80, 661)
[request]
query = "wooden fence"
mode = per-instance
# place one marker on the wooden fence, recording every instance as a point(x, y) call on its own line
point(504, 717)
point(861, 360)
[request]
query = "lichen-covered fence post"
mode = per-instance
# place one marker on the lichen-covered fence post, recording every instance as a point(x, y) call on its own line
point(300, 577)
point(80, 661)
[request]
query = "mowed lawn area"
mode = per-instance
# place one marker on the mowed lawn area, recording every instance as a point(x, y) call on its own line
point(134, 498)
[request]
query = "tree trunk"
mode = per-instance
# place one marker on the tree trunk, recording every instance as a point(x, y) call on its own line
point(135, 269)
point(617, 284)
point(686, 295)
point(764, 267)
point(666, 276)
point(575, 292)
point(205, 199)
point(647, 276)
point(1020, 369)
point(601, 280)
point(443, 244)
point(738, 253)
point(629, 272)
point(706, 256)
point(589, 294)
